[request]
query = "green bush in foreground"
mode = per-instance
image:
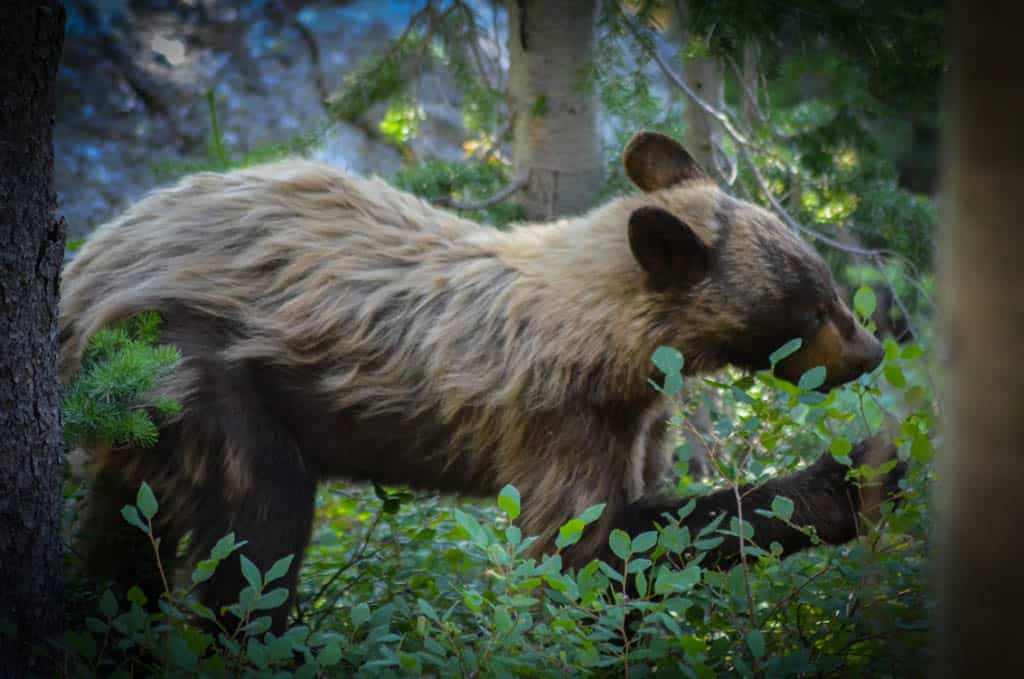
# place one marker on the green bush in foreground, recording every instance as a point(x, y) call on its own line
point(403, 584)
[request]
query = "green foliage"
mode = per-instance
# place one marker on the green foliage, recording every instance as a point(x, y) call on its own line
point(109, 403)
point(471, 180)
point(404, 584)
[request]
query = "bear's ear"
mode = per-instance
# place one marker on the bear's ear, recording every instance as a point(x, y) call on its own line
point(654, 161)
point(668, 250)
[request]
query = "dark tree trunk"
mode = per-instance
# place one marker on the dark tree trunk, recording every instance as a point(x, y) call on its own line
point(980, 588)
point(31, 251)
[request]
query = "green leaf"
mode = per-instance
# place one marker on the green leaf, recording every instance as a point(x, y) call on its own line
point(892, 349)
point(864, 301)
point(251, 573)
point(592, 514)
point(755, 640)
point(668, 360)
point(272, 599)
point(911, 351)
point(146, 501)
point(513, 535)
point(782, 507)
point(136, 595)
point(570, 533)
point(359, 614)
point(840, 446)
point(620, 543)
point(921, 448)
point(708, 544)
point(329, 655)
point(813, 378)
point(644, 541)
point(108, 604)
point(471, 526)
point(508, 500)
point(894, 375)
point(131, 515)
point(258, 626)
point(224, 547)
point(502, 620)
point(426, 609)
point(675, 582)
point(785, 351)
point(279, 569)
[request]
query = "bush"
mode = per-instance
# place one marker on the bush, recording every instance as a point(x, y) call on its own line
point(404, 584)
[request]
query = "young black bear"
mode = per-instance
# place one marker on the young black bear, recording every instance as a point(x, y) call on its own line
point(332, 326)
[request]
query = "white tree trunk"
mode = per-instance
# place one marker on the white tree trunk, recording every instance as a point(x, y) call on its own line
point(555, 134)
point(980, 507)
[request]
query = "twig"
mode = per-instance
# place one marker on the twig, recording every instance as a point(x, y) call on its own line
point(314, 52)
point(681, 84)
point(747, 91)
point(344, 567)
point(517, 184)
point(791, 595)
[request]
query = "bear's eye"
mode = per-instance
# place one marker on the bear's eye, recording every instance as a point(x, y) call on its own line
point(821, 313)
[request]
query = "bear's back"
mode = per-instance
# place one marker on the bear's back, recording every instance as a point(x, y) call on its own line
point(227, 244)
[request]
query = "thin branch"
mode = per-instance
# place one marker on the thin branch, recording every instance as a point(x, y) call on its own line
point(748, 92)
point(681, 84)
point(728, 175)
point(314, 54)
point(877, 261)
point(353, 560)
point(517, 184)
point(794, 593)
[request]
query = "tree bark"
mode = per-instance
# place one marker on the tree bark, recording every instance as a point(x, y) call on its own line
point(706, 77)
point(555, 136)
point(31, 252)
point(981, 592)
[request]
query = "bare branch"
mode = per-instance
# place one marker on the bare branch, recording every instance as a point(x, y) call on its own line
point(676, 80)
point(748, 91)
point(517, 184)
point(314, 54)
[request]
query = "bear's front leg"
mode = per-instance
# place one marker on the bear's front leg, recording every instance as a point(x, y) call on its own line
point(822, 498)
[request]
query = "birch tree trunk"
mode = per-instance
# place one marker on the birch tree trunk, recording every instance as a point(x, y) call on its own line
point(980, 585)
point(31, 252)
point(555, 135)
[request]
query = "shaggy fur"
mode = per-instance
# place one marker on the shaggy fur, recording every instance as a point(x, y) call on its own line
point(336, 327)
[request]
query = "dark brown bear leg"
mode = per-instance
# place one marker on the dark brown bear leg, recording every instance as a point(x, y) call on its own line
point(263, 491)
point(821, 496)
point(275, 520)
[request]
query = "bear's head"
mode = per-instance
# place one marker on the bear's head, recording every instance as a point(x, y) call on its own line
point(736, 273)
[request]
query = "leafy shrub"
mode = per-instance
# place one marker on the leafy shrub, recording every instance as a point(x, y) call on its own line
point(405, 584)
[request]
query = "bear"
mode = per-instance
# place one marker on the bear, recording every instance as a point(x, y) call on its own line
point(332, 326)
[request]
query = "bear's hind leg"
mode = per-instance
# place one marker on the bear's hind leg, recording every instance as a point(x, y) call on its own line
point(275, 520)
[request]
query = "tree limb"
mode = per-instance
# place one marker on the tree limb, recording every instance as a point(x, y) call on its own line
point(517, 184)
